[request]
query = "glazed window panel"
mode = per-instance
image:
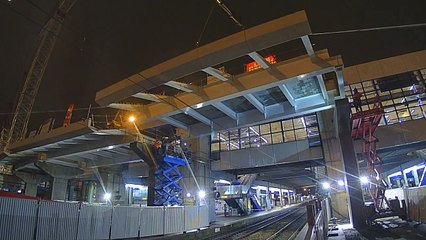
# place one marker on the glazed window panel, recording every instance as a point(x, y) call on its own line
point(277, 138)
point(265, 129)
point(287, 124)
point(245, 143)
point(276, 127)
point(404, 115)
point(391, 117)
point(299, 123)
point(224, 146)
point(289, 136)
point(234, 144)
point(215, 147)
point(416, 112)
point(300, 134)
point(312, 131)
point(266, 139)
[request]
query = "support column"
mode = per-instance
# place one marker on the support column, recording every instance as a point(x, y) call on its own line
point(61, 175)
point(113, 182)
point(59, 188)
point(333, 163)
point(201, 167)
point(353, 186)
point(31, 182)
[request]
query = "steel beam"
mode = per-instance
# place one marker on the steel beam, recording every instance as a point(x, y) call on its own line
point(322, 86)
point(287, 94)
point(191, 112)
point(180, 86)
point(308, 46)
point(259, 59)
point(149, 97)
point(225, 109)
point(175, 123)
point(256, 103)
point(215, 73)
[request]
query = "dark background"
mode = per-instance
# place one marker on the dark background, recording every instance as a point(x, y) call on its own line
point(103, 41)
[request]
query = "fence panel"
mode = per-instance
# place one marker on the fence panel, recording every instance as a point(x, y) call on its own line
point(416, 202)
point(191, 218)
point(18, 218)
point(125, 222)
point(174, 221)
point(151, 221)
point(203, 214)
point(57, 220)
point(94, 222)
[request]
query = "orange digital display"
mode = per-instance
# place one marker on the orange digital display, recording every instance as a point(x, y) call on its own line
point(251, 66)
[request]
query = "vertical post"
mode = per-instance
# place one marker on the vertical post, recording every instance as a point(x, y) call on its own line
point(353, 187)
point(151, 185)
point(310, 211)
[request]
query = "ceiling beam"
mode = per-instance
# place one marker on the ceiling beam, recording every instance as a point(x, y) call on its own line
point(225, 109)
point(175, 123)
point(149, 97)
point(255, 102)
point(191, 112)
point(259, 59)
point(287, 94)
point(216, 73)
point(322, 87)
point(180, 86)
point(308, 46)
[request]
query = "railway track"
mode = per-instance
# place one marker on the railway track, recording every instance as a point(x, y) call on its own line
point(281, 226)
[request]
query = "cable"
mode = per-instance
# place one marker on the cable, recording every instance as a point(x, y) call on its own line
point(205, 26)
point(370, 29)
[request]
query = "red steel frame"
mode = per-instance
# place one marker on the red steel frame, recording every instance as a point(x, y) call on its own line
point(364, 124)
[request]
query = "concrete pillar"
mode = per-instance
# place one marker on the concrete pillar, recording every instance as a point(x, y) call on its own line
point(114, 184)
point(59, 188)
point(353, 186)
point(90, 191)
point(334, 163)
point(61, 175)
point(31, 182)
point(201, 167)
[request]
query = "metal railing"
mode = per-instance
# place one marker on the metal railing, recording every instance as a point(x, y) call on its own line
point(317, 221)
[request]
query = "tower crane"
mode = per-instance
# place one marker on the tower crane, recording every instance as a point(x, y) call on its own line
point(48, 37)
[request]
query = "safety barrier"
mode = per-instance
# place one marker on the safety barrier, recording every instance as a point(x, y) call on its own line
point(33, 219)
point(317, 222)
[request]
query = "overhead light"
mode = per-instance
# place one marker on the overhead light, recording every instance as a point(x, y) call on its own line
point(188, 195)
point(363, 179)
point(326, 185)
point(107, 196)
point(341, 183)
point(199, 105)
point(132, 119)
point(202, 194)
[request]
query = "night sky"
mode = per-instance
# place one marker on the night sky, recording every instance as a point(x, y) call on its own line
point(103, 42)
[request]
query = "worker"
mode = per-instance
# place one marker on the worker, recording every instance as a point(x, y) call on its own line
point(357, 100)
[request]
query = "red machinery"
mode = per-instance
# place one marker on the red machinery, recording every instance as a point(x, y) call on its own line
point(364, 124)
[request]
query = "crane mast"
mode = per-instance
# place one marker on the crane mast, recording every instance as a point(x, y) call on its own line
point(48, 37)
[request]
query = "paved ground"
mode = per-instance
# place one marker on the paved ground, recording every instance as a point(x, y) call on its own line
point(392, 228)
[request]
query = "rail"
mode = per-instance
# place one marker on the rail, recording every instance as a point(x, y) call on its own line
point(316, 227)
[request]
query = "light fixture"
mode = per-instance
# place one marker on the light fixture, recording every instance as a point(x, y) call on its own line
point(326, 185)
point(132, 119)
point(107, 196)
point(341, 183)
point(202, 194)
point(188, 195)
point(363, 179)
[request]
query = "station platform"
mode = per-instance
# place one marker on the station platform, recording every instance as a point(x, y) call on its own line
point(222, 221)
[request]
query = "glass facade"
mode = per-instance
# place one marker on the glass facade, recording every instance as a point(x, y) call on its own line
point(403, 96)
point(288, 130)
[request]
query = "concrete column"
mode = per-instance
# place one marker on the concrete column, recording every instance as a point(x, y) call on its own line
point(61, 175)
point(90, 191)
point(201, 167)
point(114, 184)
point(31, 182)
point(334, 163)
point(59, 188)
point(353, 186)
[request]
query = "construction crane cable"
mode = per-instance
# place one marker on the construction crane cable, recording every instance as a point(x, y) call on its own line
point(229, 12)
